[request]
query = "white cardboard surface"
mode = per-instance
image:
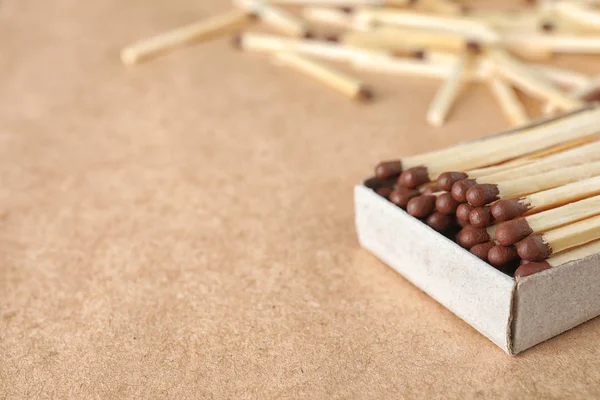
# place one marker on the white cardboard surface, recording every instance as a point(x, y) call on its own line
point(553, 301)
point(470, 288)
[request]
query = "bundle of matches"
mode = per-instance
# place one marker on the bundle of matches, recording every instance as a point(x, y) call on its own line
point(436, 39)
point(530, 196)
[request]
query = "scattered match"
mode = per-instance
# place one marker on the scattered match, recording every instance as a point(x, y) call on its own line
point(449, 42)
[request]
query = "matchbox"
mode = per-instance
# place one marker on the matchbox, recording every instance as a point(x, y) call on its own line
point(514, 313)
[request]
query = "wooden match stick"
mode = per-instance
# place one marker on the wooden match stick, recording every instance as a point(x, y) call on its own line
point(578, 13)
point(446, 95)
point(577, 155)
point(529, 82)
point(337, 80)
point(509, 102)
point(276, 17)
point(573, 126)
point(482, 194)
point(557, 43)
point(564, 77)
point(511, 232)
point(559, 259)
point(541, 246)
point(398, 37)
point(447, 179)
point(519, 142)
point(411, 67)
point(505, 210)
point(199, 31)
point(265, 43)
point(328, 16)
point(472, 29)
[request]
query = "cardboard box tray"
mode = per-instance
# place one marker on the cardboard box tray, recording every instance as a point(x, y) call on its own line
point(515, 314)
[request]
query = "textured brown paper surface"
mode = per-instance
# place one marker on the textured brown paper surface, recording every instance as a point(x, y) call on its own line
point(184, 229)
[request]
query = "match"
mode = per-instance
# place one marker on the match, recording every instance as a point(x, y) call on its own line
point(559, 259)
point(539, 247)
point(481, 194)
point(351, 87)
point(511, 232)
point(197, 32)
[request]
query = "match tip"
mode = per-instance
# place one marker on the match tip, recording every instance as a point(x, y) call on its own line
point(332, 38)
point(481, 250)
point(236, 41)
point(482, 194)
point(447, 179)
point(308, 35)
point(547, 26)
point(419, 54)
point(386, 169)
point(460, 188)
point(534, 248)
point(414, 177)
point(510, 232)
point(531, 268)
point(402, 196)
point(473, 46)
point(502, 255)
point(463, 211)
point(364, 94)
point(446, 204)
point(440, 222)
point(470, 236)
point(505, 210)
point(481, 217)
point(421, 206)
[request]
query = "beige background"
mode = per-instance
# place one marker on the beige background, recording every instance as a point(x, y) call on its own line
point(184, 229)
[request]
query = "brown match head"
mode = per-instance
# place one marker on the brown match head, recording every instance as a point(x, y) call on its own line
point(482, 194)
point(510, 232)
point(531, 268)
point(419, 54)
point(236, 42)
point(414, 177)
point(534, 248)
point(446, 204)
point(440, 222)
point(460, 188)
point(481, 250)
point(463, 210)
point(592, 96)
point(308, 35)
point(462, 223)
point(364, 94)
point(384, 191)
point(502, 255)
point(505, 210)
point(470, 236)
point(447, 179)
point(332, 38)
point(402, 196)
point(347, 10)
point(386, 169)
point(473, 46)
point(481, 217)
point(421, 206)
point(548, 26)
point(374, 183)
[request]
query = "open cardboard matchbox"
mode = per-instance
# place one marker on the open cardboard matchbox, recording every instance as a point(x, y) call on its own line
point(515, 314)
